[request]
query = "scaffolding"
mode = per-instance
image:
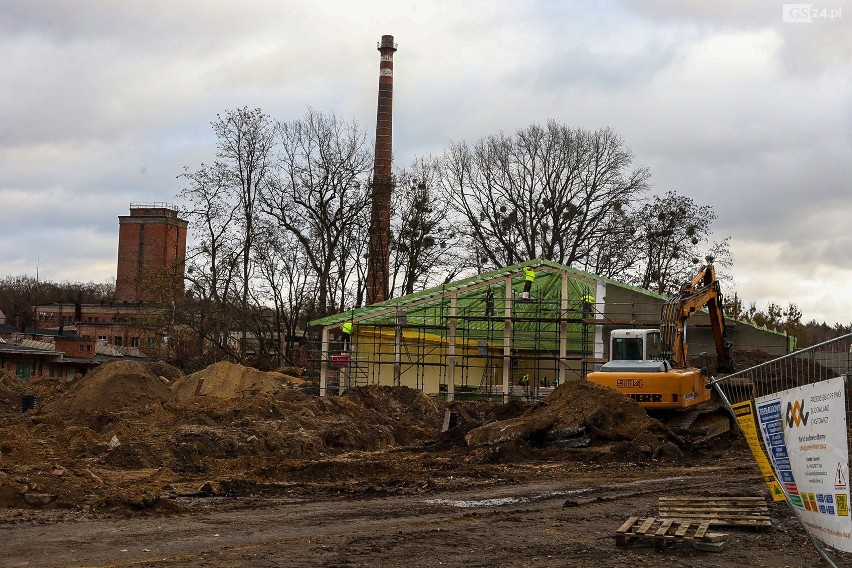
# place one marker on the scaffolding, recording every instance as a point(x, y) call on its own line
point(479, 338)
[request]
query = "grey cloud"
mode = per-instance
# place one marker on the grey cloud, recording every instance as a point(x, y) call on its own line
point(103, 103)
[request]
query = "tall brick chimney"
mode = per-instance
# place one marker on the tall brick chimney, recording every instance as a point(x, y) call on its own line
point(151, 254)
point(378, 265)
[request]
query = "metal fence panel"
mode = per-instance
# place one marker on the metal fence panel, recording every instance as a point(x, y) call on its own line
point(758, 390)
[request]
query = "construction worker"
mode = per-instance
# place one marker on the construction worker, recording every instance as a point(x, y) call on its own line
point(346, 331)
point(489, 303)
point(588, 302)
point(529, 278)
point(525, 383)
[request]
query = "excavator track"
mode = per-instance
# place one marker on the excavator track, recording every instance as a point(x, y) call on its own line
point(705, 421)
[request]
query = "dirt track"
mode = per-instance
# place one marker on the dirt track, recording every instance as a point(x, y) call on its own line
point(513, 525)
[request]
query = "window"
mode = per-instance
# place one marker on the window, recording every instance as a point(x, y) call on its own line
point(152, 342)
point(627, 349)
point(134, 342)
point(89, 348)
point(118, 340)
point(80, 347)
point(102, 338)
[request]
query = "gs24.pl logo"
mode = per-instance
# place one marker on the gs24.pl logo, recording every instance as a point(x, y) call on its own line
point(807, 13)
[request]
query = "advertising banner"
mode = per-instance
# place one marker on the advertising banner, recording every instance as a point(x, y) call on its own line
point(804, 429)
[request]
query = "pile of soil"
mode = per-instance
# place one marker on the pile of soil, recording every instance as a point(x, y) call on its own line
point(603, 413)
point(165, 370)
point(229, 380)
point(112, 388)
point(11, 389)
point(133, 436)
point(124, 436)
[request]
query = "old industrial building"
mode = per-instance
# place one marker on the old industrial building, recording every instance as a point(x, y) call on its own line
point(71, 337)
point(150, 270)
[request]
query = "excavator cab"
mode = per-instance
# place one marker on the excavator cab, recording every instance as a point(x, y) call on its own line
point(634, 344)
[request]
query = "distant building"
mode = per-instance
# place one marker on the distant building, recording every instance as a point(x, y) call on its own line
point(151, 254)
point(118, 324)
point(149, 277)
point(38, 354)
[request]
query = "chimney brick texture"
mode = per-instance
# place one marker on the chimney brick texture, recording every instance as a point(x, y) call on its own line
point(378, 265)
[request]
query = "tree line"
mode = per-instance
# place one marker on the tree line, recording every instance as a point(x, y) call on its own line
point(281, 217)
point(280, 221)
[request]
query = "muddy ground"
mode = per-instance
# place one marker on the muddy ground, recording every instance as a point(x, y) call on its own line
point(141, 466)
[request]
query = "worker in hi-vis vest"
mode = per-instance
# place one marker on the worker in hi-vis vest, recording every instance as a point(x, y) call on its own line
point(346, 330)
point(529, 278)
point(588, 303)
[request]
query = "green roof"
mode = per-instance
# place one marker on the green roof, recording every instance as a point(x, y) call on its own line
point(547, 289)
point(429, 309)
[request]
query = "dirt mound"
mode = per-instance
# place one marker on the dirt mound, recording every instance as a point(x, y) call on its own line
point(11, 383)
point(163, 369)
point(409, 413)
point(112, 387)
point(469, 414)
point(229, 380)
point(395, 402)
point(11, 389)
point(604, 413)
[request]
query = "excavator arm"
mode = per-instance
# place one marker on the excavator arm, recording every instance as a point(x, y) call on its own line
point(702, 291)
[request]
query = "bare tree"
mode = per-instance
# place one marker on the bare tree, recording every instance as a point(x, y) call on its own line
point(246, 140)
point(287, 283)
point(213, 210)
point(321, 192)
point(674, 233)
point(349, 288)
point(423, 239)
point(616, 253)
point(549, 192)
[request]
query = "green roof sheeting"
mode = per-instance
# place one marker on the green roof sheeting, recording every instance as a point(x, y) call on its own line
point(535, 323)
point(430, 308)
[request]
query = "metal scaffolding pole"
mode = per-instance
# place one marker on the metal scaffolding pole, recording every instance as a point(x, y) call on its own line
point(397, 349)
point(563, 330)
point(507, 339)
point(451, 349)
point(324, 363)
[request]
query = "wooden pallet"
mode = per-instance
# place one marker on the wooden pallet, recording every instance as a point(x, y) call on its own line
point(664, 532)
point(719, 511)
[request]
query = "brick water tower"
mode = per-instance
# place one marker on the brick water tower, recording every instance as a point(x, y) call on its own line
point(151, 254)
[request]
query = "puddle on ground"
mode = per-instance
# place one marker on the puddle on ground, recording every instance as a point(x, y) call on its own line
point(500, 501)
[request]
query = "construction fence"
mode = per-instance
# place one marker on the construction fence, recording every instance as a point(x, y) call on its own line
point(795, 413)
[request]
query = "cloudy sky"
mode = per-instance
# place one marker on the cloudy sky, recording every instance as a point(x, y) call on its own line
point(104, 103)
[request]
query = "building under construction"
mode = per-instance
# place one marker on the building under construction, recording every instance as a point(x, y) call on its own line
point(479, 337)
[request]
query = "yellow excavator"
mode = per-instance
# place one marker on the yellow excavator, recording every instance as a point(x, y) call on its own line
point(651, 365)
